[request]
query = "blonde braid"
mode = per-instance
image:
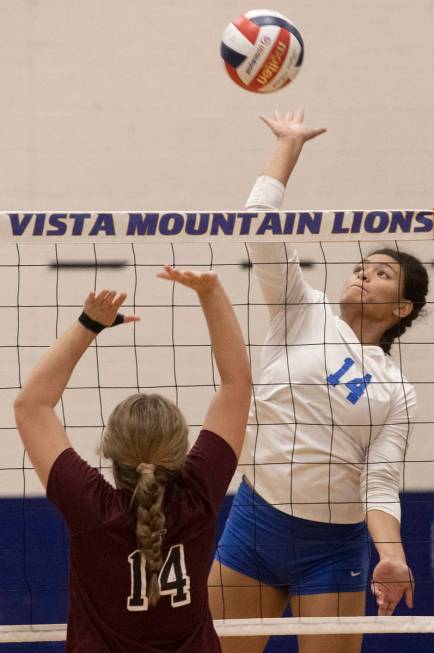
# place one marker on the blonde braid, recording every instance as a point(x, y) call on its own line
point(149, 497)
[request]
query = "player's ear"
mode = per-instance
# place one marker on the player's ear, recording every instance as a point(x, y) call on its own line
point(403, 309)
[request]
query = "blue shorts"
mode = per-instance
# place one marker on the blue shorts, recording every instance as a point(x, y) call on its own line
point(298, 555)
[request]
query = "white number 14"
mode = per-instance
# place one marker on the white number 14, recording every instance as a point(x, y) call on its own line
point(173, 579)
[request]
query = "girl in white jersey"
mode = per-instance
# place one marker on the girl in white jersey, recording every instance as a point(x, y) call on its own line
point(327, 431)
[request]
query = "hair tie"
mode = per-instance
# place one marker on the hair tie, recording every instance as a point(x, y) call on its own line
point(147, 469)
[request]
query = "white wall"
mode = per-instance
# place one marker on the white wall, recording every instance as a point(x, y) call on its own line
point(122, 104)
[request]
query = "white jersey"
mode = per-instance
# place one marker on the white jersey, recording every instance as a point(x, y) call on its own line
point(330, 418)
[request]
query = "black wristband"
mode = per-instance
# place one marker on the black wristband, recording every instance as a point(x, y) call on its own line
point(118, 319)
point(97, 327)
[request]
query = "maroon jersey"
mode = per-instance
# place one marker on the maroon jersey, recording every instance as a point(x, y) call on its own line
point(108, 611)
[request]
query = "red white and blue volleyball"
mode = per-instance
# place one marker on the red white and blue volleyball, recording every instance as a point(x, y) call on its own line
point(262, 51)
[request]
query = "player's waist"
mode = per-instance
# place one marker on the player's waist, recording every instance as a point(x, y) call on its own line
point(302, 495)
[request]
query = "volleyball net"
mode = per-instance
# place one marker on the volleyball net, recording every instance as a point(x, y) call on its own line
point(49, 262)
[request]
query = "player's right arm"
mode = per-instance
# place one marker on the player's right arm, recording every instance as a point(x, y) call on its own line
point(280, 282)
point(291, 134)
point(228, 411)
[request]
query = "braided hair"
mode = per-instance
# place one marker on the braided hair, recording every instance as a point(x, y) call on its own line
point(414, 288)
point(146, 429)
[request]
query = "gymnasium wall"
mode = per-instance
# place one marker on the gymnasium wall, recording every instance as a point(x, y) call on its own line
point(124, 104)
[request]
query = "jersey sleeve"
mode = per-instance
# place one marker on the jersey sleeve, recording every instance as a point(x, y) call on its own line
point(381, 474)
point(209, 469)
point(276, 265)
point(80, 492)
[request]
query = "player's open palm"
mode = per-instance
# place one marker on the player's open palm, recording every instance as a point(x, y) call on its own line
point(390, 582)
point(292, 126)
point(104, 306)
point(201, 282)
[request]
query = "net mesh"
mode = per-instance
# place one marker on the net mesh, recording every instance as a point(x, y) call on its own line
point(168, 352)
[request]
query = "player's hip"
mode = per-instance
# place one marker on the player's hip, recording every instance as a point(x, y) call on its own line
point(276, 548)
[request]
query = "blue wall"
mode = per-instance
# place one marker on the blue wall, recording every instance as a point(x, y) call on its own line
point(33, 567)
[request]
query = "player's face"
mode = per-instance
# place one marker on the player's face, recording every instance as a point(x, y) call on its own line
point(376, 287)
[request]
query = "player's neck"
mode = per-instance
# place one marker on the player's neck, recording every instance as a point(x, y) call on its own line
point(367, 332)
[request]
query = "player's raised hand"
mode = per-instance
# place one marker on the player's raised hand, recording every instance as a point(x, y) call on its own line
point(104, 306)
point(391, 580)
point(201, 282)
point(291, 126)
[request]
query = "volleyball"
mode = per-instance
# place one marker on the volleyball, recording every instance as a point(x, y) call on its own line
point(262, 51)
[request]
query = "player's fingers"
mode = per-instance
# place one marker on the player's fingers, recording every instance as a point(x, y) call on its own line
point(108, 299)
point(409, 597)
point(101, 295)
point(178, 275)
point(131, 318)
point(317, 132)
point(267, 121)
point(390, 608)
point(185, 276)
point(375, 587)
point(163, 274)
point(381, 605)
point(118, 301)
point(299, 114)
point(384, 606)
point(192, 278)
point(168, 272)
point(379, 595)
point(277, 115)
point(91, 297)
point(200, 276)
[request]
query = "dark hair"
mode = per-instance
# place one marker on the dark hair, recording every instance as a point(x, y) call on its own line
point(414, 288)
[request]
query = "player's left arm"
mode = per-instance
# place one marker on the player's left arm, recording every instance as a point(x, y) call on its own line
point(41, 431)
point(392, 578)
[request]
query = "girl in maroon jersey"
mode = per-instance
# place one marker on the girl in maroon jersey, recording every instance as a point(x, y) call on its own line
point(140, 553)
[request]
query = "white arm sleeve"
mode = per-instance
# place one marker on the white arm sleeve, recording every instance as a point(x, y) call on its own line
point(384, 459)
point(276, 265)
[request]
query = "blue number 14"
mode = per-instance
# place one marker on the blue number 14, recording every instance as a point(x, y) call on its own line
point(356, 386)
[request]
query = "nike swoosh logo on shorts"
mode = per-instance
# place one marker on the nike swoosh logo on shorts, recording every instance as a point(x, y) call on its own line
point(356, 573)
